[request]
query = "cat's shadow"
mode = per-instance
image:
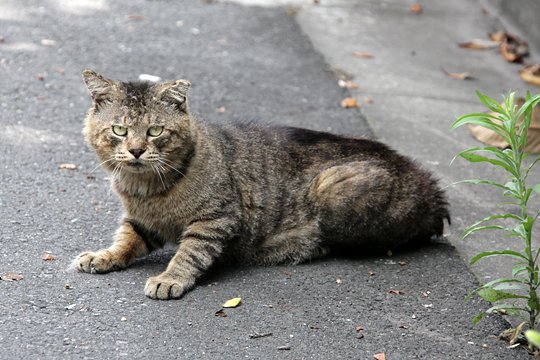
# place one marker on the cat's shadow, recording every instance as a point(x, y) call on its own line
point(156, 262)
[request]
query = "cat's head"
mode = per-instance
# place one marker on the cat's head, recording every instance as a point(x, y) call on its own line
point(138, 127)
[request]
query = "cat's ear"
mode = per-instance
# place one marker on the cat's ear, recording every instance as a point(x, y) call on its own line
point(174, 94)
point(101, 89)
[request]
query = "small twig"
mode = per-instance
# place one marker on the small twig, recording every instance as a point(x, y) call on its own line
point(259, 335)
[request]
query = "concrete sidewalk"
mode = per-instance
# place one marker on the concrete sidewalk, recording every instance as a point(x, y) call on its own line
point(245, 62)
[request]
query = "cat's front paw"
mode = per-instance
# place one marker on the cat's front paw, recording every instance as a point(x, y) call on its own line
point(165, 287)
point(96, 262)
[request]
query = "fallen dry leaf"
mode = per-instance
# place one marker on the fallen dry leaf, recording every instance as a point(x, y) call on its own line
point(349, 103)
point(498, 36)
point(314, 327)
point(513, 49)
point(136, 17)
point(458, 76)
point(67, 166)
point(220, 313)
point(416, 8)
point(479, 44)
point(68, 287)
point(363, 54)
point(396, 292)
point(425, 294)
point(531, 74)
point(371, 273)
point(292, 11)
point(359, 328)
point(48, 256)
point(11, 276)
point(232, 303)
point(338, 281)
point(380, 356)
point(402, 263)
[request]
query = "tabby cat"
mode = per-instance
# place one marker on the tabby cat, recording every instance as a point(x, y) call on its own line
point(243, 192)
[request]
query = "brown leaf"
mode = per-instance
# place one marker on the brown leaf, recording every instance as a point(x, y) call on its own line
point(458, 76)
point(512, 48)
point(531, 74)
point(380, 356)
point(396, 292)
point(363, 54)
point(136, 17)
point(67, 166)
point(220, 313)
point(338, 281)
point(359, 328)
point(349, 103)
point(498, 36)
point(402, 263)
point(314, 327)
point(11, 276)
point(416, 8)
point(371, 273)
point(479, 44)
point(48, 256)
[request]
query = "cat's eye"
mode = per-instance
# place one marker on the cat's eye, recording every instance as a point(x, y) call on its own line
point(155, 130)
point(119, 130)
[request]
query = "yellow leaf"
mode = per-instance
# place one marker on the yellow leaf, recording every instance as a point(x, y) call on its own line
point(234, 302)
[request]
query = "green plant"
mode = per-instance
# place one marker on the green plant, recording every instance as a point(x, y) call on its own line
point(512, 124)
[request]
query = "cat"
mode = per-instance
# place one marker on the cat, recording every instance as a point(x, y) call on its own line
point(244, 193)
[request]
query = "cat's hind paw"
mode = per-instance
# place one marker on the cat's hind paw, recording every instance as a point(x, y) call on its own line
point(165, 287)
point(95, 262)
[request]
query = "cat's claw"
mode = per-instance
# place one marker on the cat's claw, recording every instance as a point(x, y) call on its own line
point(95, 262)
point(164, 287)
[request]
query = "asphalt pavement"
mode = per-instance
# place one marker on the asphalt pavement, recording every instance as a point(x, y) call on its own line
point(271, 64)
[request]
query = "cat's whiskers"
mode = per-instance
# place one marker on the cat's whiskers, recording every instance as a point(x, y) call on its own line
point(168, 163)
point(156, 168)
point(102, 163)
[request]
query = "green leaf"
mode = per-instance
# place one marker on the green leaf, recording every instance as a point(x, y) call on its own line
point(531, 102)
point(490, 103)
point(511, 286)
point(518, 269)
point(492, 295)
point(232, 303)
point(469, 231)
point(484, 120)
point(533, 337)
point(481, 182)
point(470, 156)
point(478, 317)
point(484, 254)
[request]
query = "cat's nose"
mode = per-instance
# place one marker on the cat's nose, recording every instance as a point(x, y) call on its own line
point(137, 152)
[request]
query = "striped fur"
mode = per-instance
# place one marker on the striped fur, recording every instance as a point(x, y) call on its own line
point(244, 193)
